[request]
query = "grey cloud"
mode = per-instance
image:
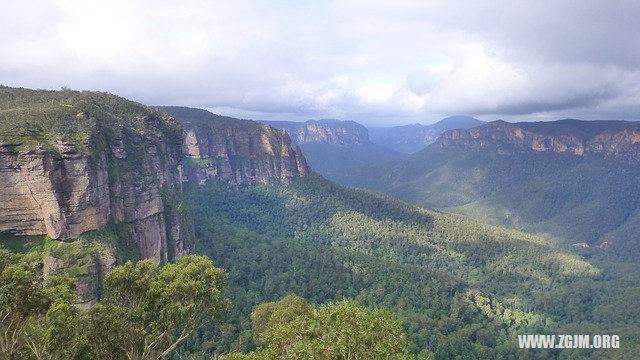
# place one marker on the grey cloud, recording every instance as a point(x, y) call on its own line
point(401, 61)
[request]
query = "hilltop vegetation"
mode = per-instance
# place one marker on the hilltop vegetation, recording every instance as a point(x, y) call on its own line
point(38, 118)
point(197, 116)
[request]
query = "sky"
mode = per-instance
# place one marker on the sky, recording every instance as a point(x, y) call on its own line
point(376, 62)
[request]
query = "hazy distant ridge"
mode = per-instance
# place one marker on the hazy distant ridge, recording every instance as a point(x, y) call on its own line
point(415, 137)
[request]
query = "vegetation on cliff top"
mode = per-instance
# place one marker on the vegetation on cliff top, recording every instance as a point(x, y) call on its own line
point(38, 118)
point(199, 117)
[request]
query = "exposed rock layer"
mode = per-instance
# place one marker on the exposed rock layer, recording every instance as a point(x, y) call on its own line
point(122, 172)
point(618, 139)
point(235, 151)
point(325, 131)
point(255, 155)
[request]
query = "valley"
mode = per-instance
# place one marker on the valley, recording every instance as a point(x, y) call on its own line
point(94, 181)
point(575, 181)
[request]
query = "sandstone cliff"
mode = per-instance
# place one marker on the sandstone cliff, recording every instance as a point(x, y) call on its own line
point(71, 162)
point(327, 131)
point(334, 148)
point(235, 151)
point(620, 139)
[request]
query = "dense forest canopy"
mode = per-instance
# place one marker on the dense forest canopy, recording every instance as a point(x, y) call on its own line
point(587, 199)
point(460, 288)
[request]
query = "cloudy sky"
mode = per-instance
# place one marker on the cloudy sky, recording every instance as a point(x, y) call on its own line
point(377, 62)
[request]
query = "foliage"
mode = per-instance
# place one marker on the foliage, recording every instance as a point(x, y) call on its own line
point(39, 118)
point(160, 307)
point(201, 117)
point(146, 313)
point(461, 288)
point(279, 313)
point(28, 302)
point(344, 330)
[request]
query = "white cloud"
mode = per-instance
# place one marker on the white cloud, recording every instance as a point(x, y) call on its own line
point(372, 61)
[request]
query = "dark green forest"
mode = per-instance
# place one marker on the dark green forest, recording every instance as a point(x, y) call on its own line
point(460, 288)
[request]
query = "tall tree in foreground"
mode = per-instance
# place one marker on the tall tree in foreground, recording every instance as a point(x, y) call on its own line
point(30, 307)
point(150, 310)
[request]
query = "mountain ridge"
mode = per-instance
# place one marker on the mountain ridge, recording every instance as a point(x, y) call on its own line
point(334, 147)
point(415, 137)
point(579, 137)
point(571, 179)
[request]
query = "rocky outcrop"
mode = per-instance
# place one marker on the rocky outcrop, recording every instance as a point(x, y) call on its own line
point(89, 270)
point(619, 139)
point(67, 194)
point(254, 155)
point(123, 171)
point(327, 131)
point(234, 151)
point(43, 193)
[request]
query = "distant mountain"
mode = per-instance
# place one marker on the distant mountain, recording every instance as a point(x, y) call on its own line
point(334, 148)
point(326, 131)
point(575, 180)
point(411, 138)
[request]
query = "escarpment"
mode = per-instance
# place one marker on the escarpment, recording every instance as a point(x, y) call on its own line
point(234, 151)
point(72, 162)
point(326, 131)
point(619, 139)
point(97, 179)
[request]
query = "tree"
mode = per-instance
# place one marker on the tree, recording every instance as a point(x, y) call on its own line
point(339, 331)
point(157, 308)
point(26, 301)
point(269, 315)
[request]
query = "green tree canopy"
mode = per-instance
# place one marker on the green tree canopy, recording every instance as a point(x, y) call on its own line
point(146, 312)
point(292, 329)
point(150, 310)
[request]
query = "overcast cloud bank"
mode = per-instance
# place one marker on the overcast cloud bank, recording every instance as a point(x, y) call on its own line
point(374, 62)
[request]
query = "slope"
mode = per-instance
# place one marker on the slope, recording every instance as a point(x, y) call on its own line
point(462, 288)
point(574, 180)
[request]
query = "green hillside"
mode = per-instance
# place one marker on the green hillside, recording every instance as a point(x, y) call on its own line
point(461, 288)
point(577, 199)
